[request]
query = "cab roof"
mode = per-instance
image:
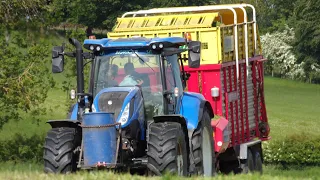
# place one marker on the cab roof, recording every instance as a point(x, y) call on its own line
point(134, 42)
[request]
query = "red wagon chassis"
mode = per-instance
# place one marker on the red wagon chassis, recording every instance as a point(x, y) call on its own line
point(240, 103)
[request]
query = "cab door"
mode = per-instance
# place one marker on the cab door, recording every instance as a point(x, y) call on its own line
point(173, 83)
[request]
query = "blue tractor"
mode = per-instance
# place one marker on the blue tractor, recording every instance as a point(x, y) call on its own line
point(136, 115)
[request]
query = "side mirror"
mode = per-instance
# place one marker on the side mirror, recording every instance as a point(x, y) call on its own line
point(185, 76)
point(194, 52)
point(57, 59)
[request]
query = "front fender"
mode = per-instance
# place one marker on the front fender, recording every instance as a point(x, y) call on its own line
point(64, 123)
point(73, 112)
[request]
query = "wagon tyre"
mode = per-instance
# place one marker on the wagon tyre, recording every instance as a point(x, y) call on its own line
point(203, 147)
point(257, 162)
point(60, 155)
point(248, 166)
point(167, 149)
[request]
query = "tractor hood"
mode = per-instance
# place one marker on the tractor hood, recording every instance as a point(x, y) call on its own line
point(121, 101)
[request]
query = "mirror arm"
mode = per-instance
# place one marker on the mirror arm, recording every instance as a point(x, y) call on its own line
point(69, 54)
point(183, 74)
point(87, 62)
point(87, 55)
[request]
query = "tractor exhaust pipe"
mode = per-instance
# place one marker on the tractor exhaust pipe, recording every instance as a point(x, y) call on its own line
point(79, 64)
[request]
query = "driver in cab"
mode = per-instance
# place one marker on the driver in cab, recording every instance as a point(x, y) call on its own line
point(132, 77)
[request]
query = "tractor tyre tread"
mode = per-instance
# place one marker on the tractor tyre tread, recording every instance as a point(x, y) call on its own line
point(163, 143)
point(59, 147)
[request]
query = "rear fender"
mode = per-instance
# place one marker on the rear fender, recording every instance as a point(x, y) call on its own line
point(205, 105)
point(193, 105)
point(64, 123)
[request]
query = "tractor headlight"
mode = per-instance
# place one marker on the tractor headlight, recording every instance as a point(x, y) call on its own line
point(93, 108)
point(154, 46)
point(125, 115)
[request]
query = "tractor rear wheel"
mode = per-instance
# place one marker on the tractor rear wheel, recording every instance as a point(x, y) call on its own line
point(167, 149)
point(203, 147)
point(59, 150)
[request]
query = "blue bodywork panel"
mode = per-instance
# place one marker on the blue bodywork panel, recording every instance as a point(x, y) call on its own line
point(138, 105)
point(74, 112)
point(99, 144)
point(190, 108)
point(141, 42)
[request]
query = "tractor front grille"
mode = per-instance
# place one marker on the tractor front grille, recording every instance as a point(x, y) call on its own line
point(111, 102)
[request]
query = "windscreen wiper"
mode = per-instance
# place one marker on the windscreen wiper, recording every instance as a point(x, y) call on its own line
point(142, 59)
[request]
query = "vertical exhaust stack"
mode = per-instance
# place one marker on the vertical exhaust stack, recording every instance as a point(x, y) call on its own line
point(79, 64)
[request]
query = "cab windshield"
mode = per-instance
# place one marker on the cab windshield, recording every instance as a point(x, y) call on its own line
point(128, 69)
point(131, 68)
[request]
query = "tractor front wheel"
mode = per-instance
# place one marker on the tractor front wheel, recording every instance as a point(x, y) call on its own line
point(167, 150)
point(59, 150)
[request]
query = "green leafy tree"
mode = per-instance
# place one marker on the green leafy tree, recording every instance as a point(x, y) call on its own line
point(103, 13)
point(24, 81)
point(24, 75)
point(17, 13)
point(307, 37)
point(272, 15)
point(91, 13)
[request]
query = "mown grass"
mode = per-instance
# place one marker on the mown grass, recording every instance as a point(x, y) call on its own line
point(11, 170)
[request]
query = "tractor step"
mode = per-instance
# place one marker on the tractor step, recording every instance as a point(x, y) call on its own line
point(140, 161)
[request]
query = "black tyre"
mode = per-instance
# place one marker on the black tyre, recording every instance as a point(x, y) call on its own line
point(227, 167)
point(257, 161)
point(248, 166)
point(203, 147)
point(59, 150)
point(167, 150)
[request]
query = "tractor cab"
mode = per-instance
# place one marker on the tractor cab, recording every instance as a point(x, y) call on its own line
point(152, 65)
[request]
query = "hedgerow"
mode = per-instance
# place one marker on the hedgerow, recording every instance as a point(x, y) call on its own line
point(298, 149)
point(21, 148)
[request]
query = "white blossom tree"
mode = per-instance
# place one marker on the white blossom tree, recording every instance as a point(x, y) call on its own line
point(278, 50)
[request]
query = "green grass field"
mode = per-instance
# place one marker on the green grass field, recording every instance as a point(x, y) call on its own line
point(292, 108)
point(34, 171)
